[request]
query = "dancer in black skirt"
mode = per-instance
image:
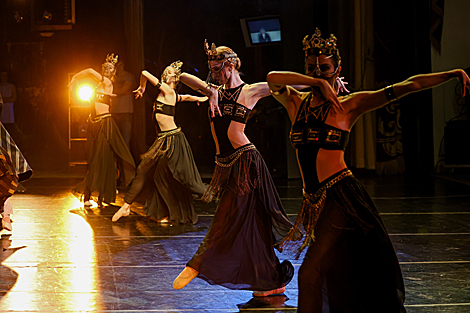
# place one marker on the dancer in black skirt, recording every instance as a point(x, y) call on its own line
point(237, 251)
point(350, 264)
point(174, 175)
point(107, 152)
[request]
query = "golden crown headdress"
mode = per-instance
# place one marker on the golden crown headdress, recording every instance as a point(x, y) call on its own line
point(111, 58)
point(317, 45)
point(212, 54)
point(177, 65)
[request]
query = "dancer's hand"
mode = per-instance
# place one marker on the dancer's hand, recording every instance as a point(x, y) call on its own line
point(139, 92)
point(201, 99)
point(464, 80)
point(214, 101)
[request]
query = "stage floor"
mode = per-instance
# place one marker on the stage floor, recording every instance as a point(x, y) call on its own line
point(63, 258)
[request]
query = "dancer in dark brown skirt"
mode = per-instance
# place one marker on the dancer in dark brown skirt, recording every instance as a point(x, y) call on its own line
point(107, 153)
point(167, 176)
point(238, 249)
point(350, 264)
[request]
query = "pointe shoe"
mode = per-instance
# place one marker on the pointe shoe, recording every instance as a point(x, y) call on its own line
point(123, 211)
point(269, 292)
point(6, 225)
point(185, 277)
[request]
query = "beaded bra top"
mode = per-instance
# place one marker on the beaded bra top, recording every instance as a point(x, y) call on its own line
point(231, 111)
point(310, 133)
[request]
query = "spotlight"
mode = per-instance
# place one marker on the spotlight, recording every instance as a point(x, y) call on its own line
point(85, 92)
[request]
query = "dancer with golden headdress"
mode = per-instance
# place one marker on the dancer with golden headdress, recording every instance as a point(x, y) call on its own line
point(167, 169)
point(108, 156)
point(350, 264)
point(238, 249)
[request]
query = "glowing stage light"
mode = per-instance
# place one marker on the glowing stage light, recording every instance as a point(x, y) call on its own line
point(85, 92)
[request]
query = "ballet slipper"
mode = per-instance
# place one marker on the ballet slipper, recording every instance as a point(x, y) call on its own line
point(87, 203)
point(7, 224)
point(123, 211)
point(184, 277)
point(269, 292)
point(164, 220)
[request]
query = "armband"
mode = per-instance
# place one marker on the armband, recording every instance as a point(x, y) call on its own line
point(159, 84)
point(278, 92)
point(389, 94)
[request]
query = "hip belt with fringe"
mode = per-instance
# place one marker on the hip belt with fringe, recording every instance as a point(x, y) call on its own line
point(98, 118)
point(237, 165)
point(312, 206)
point(164, 144)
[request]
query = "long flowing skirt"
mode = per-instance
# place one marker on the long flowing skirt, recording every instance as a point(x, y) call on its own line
point(109, 160)
point(237, 251)
point(167, 178)
point(351, 266)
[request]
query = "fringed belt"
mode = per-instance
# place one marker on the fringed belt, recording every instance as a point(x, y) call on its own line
point(162, 145)
point(98, 118)
point(168, 133)
point(238, 164)
point(312, 206)
point(231, 159)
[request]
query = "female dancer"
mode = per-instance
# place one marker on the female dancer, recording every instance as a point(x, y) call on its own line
point(237, 251)
point(107, 152)
point(350, 256)
point(169, 159)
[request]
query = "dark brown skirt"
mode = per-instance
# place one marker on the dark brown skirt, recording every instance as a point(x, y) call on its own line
point(237, 251)
point(166, 179)
point(110, 163)
point(350, 265)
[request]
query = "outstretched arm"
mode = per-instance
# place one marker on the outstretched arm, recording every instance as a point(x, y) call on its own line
point(367, 101)
point(191, 98)
point(201, 86)
point(146, 76)
point(278, 82)
point(89, 72)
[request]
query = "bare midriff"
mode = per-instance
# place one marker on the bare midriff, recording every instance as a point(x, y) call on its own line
point(165, 122)
point(101, 108)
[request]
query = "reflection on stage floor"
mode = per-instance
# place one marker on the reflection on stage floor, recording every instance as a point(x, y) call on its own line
point(64, 258)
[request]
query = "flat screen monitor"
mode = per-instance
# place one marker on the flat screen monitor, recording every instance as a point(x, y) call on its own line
point(263, 30)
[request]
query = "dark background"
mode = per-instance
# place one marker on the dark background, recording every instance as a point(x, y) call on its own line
point(175, 30)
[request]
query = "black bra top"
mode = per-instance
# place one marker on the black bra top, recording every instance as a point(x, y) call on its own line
point(229, 107)
point(309, 134)
point(102, 98)
point(231, 111)
point(310, 128)
point(163, 108)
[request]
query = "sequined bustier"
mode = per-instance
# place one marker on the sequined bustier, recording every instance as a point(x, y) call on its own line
point(231, 111)
point(310, 133)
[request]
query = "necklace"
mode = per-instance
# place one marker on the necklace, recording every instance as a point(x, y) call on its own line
point(320, 112)
point(231, 95)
